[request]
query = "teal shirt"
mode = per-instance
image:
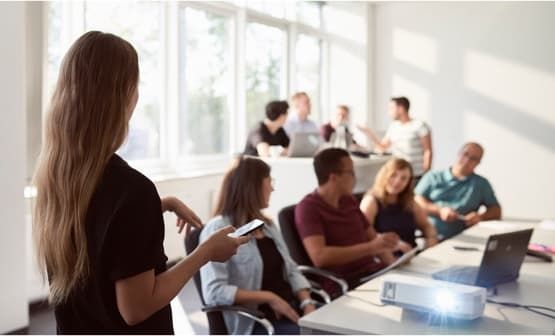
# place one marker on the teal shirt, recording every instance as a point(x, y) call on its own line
point(463, 195)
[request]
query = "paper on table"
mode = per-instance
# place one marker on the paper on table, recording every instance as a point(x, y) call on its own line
point(548, 224)
point(405, 257)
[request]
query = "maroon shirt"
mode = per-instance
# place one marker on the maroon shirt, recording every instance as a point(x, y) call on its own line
point(344, 226)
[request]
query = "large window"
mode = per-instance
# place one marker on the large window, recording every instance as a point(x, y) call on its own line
point(265, 68)
point(207, 69)
point(205, 85)
point(55, 47)
point(139, 23)
point(308, 65)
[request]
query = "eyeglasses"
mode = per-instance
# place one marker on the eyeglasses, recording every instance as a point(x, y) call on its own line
point(471, 157)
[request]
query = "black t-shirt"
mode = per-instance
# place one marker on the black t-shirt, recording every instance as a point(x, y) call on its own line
point(394, 218)
point(125, 232)
point(261, 133)
point(273, 276)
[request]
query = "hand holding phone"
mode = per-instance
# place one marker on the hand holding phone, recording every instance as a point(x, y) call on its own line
point(244, 230)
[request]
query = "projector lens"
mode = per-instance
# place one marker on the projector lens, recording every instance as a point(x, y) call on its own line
point(445, 301)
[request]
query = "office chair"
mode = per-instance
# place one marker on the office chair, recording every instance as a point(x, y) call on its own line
point(289, 232)
point(216, 323)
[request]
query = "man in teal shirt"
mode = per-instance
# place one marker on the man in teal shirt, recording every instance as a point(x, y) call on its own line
point(452, 197)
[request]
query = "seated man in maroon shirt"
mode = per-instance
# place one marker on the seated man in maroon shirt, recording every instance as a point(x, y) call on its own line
point(334, 231)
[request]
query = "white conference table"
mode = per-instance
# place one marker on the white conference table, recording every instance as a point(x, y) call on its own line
point(361, 312)
point(294, 178)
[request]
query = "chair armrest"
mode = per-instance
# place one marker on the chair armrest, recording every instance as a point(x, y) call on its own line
point(325, 274)
point(252, 314)
point(321, 293)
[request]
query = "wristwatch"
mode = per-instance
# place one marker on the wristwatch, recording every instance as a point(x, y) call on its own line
point(307, 302)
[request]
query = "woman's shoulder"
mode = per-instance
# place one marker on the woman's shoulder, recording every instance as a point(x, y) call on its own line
point(119, 173)
point(369, 200)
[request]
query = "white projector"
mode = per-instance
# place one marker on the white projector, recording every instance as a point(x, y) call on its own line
point(434, 296)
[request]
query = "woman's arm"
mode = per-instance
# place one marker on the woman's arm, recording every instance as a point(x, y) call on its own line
point(279, 306)
point(303, 295)
point(140, 296)
point(185, 216)
point(424, 225)
point(369, 208)
point(263, 149)
point(296, 279)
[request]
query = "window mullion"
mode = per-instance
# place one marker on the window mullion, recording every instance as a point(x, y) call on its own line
point(240, 130)
point(292, 64)
point(170, 130)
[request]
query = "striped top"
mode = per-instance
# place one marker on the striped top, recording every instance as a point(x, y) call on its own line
point(406, 142)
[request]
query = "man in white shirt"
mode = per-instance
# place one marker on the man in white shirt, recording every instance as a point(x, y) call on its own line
point(407, 138)
point(298, 121)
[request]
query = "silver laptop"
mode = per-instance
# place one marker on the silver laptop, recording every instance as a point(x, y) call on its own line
point(304, 144)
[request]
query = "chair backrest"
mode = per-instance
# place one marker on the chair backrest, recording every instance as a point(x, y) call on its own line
point(286, 218)
point(216, 323)
point(191, 243)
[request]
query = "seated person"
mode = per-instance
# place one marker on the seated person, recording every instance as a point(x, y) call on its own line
point(334, 232)
point(390, 207)
point(298, 121)
point(341, 120)
point(262, 274)
point(452, 197)
point(269, 132)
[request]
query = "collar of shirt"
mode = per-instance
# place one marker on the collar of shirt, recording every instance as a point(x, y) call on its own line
point(295, 117)
point(448, 176)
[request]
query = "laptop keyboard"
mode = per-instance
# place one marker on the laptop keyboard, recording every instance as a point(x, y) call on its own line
point(460, 274)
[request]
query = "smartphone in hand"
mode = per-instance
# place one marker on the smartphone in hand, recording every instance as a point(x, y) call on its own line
point(244, 230)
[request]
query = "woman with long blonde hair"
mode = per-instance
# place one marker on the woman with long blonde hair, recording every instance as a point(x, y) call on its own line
point(98, 223)
point(390, 207)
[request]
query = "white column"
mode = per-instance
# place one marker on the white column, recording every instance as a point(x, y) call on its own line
point(13, 293)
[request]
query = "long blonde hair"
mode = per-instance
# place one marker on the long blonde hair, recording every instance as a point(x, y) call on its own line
point(87, 122)
point(379, 191)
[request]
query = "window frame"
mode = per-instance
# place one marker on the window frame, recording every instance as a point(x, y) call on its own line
point(208, 161)
point(169, 162)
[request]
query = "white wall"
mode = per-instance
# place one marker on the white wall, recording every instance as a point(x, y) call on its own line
point(35, 40)
point(199, 194)
point(13, 298)
point(348, 53)
point(478, 71)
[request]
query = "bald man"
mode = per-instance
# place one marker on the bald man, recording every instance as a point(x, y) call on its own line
point(452, 197)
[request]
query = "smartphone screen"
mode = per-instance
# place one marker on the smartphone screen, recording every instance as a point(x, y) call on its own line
point(247, 228)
